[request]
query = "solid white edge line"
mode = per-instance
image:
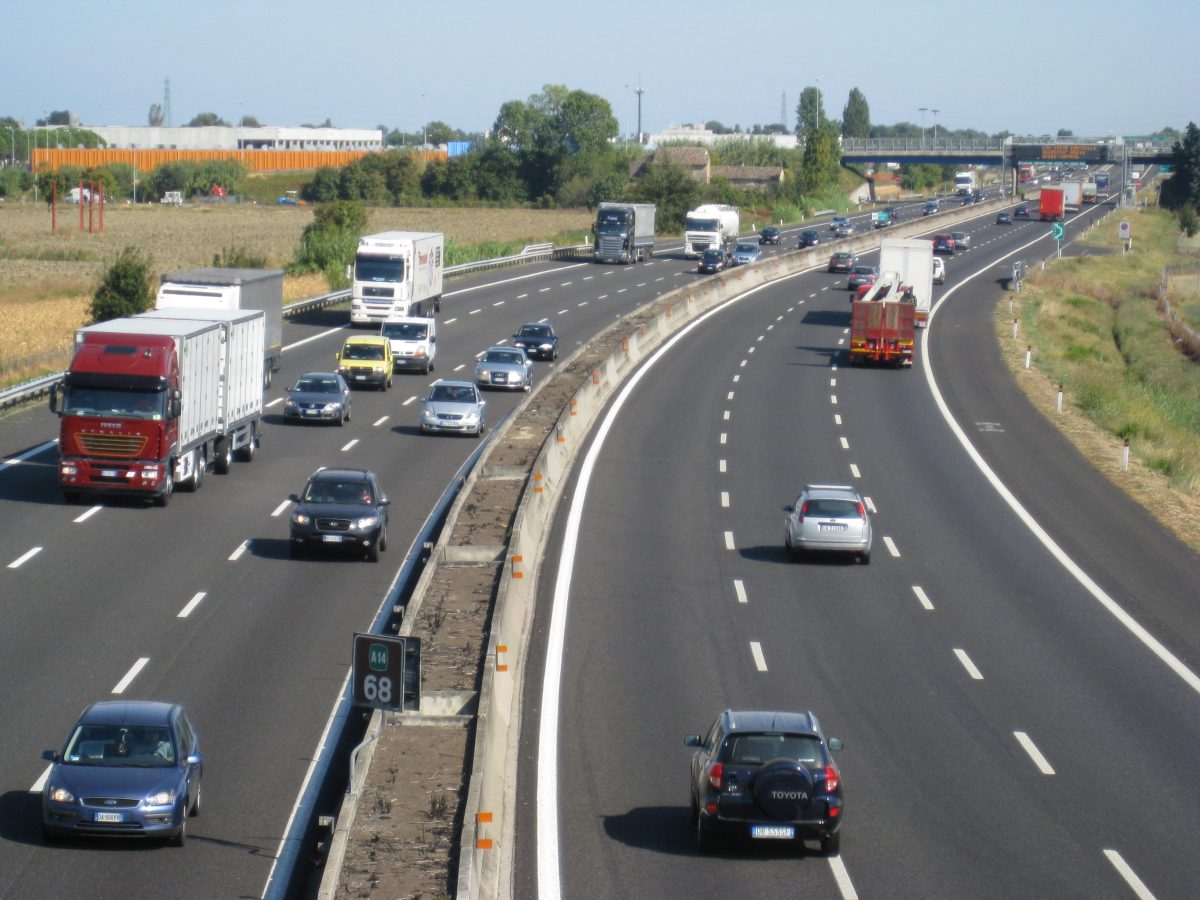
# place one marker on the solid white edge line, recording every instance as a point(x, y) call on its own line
point(24, 558)
point(1135, 884)
point(191, 605)
point(41, 782)
point(967, 664)
point(760, 661)
point(739, 588)
point(842, 877)
point(130, 675)
point(923, 597)
point(548, 857)
point(87, 514)
point(314, 337)
point(1034, 753)
point(1115, 609)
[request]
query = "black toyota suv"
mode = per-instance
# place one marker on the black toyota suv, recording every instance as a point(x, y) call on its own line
point(765, 776)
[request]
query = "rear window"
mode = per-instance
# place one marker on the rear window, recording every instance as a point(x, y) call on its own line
point(755, 749)
point(833, 509)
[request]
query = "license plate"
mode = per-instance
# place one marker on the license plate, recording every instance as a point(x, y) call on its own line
point(311, 412)
point(109, 817)
point(109, 473)
point(360, 377)
point(837, 528)
point(773, 832)
point(331, 538)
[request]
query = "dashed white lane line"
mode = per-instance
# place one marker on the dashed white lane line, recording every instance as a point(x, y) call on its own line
point(587, 277)
point(833, 382)
point(1135, 884)
point(410, 399)
point(237, 554)
point(502, 341)
point(84, 516)
point(722, 466)
point(870, 505)
point(923, 597)
point(810, 296)
point(729, 396)
point(191, 605)
point(841, 341)
point(760, 661)
point(24, 558)
point(522, 296)
point(563, 312)
point(349, 445)
point(602, 297)
point(278, 511)
point(967, 664)
point(845, 331)
point(854, 471)
point(474, 312)
point(584, 303)
point(379, 421)
point(740, 590)
point(540, 322)
point(566, 284)
point(891, 545)
point(725, 415)
point(274, 402)
point(770, 328)
point(833, 399)
point(450, 321)
point(750, 350)
point(837, 419)
point(845, 443)
point(640, 284)
point(725, 499)
point(41, 782)
point(622, 290)
point(498, 303)
point(729, 541)
point(742, 364)
point(737, 378)
point(780, 318)
point(724, 437)
point(842, 877)
point(130, 675)
point(833, 367)
point(543, 290)
point(1034, 753)
point(760, 337)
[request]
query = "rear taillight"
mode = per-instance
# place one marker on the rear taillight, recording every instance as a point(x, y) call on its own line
point(716, 772)
point(862, 513)
point(803, 511)
point(832, 780)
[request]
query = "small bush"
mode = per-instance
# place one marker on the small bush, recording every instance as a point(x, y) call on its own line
point(1189, 222)
point(238, 258)
point(125, 289)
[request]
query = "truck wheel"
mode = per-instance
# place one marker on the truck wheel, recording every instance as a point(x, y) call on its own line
point(246, 452)
point(198, 465)
point(224, 457)
point(164, 498)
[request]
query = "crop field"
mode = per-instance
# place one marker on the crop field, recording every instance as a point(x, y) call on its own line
point(47, 279)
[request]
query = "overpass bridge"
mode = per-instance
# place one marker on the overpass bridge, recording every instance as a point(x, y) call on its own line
point(1008, 151)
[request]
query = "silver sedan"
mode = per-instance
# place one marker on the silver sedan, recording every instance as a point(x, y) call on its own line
point(453, 406)
point(504, 367)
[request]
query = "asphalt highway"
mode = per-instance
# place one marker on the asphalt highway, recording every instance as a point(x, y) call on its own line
point(1007, 733)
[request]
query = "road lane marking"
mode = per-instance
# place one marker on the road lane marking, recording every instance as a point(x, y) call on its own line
point(724, 437)
point(923, 597)
point(191, 605)
point(742, 364)
point(750, 350)
point(833, 399)
point(870, 505)
point(41, 782)
point(278, 511)
point(130, 675)
point(725, 416)
point(622, 290)
point(729, 396)
point(566, 284)
point(640, 284)
point(237, 554)
point(349, 445)
point(837, 419)
point(842, 877)
point(379, 421)
point(1135, 884)
point(729, 541)
point(28, 454)
point(602, 297)
point(84, 516)
point(274, 402)
point(474, 312)
point(770, 328)
point(1034, 753)
point(890, 545)
point(24, 558)
point(410, 400)
point(760, 337)
point(563, 312)
point(760, 661)
point(737, 378)
point(967, 664)
point(740, 590)
point(841, 341)
point(854, 471)
point(450, 321)
point(543, 290)
point(845, 443)
point(722, 466)
point(314, 337)
point(584, 303)
point(498, 303)
point(833, 382)
point(725, 499)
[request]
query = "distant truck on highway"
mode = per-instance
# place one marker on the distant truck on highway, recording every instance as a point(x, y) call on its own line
point(1072, 195)
point(907, 265)
point(231, 289)
point(396, 275)
point(1090, 192)
point(711, 226)
point(1051, 204)
point(964, 183)
point(624, 232)
point(149, 402)
point(1102, 181)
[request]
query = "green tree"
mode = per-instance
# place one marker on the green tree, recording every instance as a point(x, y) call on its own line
point(1065, 133)
point(250, 122)
point(207, 118)
point(323, 188)
point(672, 189)
point(822, 159)
point(58, 117)
point(125, 288)
point(856, 116)
point(1182, 189)
point(329, 241)
point(810, 112)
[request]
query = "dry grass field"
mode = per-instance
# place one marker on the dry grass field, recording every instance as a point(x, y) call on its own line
point(46, 279)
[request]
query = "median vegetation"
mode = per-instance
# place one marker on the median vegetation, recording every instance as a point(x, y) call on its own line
point(1096, 327)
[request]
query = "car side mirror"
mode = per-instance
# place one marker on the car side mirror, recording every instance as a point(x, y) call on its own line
point(834, 743)
point(295, 498)
point(483, 403)
point(195, 759)
point(692, 740)
point(788, 509)
point(174, 408)
point(289, 390)
point(433, 340)
point(54, 398)
point(51, 755)
point(385, 501)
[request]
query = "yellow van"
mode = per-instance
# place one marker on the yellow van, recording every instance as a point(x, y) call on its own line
point(367, 360)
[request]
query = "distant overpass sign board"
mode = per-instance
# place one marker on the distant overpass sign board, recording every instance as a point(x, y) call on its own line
point(1059, 152)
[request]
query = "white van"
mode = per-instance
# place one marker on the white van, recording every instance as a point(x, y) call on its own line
point(414, 343)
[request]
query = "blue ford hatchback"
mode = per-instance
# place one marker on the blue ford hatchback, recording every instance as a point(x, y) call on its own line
point(129, 768)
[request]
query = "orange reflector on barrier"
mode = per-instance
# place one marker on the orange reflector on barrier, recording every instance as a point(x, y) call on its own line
point(483, 817)
point(483, 844)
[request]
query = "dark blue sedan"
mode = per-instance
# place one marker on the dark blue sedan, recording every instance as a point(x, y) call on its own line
point(129, 768)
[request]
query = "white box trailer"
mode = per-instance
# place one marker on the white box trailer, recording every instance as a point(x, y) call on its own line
point(396, 275)
point(911, 261)
point(1072, 195)
point(231, 289)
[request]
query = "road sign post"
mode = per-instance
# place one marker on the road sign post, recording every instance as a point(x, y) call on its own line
point(1058, 233)
point(386, 672)
point(1126, 236)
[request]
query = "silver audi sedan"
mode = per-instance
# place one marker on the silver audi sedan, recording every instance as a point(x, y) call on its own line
point(829, 517)
point(504, 367)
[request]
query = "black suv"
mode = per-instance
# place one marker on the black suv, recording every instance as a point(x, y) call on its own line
point(766, 776)
point(340, 508)
point(537, 339)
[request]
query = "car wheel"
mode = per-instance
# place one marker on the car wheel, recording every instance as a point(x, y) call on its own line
point(199, 464)
point(224, 457)
point(831, 845)
point(787, 544)
point(341, 418)
point(179, 839)
point(706, 841)
point(865, 558)
point(195, 810)
point(383, 539)
point(373, 552)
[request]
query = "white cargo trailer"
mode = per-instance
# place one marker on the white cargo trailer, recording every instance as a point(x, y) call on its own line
point(909, 264)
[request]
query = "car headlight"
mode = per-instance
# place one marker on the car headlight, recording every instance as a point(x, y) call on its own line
point(290, 404)
point(299, 518)
point(332, 407)
point(471, 416)
point(482, 373)
point(162, 798)
point(378, 368)
point(428, 414)
point(61, 795)
point(367, 522)
point(547, 346)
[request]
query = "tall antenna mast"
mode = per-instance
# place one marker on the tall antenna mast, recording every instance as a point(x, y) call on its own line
point(167, 101)
point(783, 111)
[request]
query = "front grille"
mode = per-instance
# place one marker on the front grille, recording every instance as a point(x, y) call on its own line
point(611, 247)
point(362, 370)
point(332, 524)
point(112, 446)
point(499, 378)
point(378, 292)
point(449, 417)
point(110, 802)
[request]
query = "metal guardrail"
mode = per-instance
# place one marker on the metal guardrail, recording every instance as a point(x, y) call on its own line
point(532, 253)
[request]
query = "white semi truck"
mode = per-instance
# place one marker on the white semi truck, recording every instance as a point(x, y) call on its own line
point(908, 266)
point(713, 225)
point(396, 275)
point(1072, 195)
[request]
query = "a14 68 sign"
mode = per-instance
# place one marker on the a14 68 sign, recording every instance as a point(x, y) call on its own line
point(387, 672)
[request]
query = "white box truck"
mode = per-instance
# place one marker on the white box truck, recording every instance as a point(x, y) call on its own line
point(231, 289)
point(396, 275)
point(714, 225)
point(1072, 195)
point(908, 265)
point(624, 232)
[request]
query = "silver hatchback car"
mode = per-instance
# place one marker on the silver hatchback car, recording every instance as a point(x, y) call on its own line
point(829, 517)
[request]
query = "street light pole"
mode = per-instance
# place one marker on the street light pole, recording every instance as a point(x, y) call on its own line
point(935, 112)
point(923, 110)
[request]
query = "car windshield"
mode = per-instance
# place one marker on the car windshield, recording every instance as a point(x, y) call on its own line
point(712, 255)
point(747, 248)
point(406, 331)
point(350, 493)
point(863, 270)
point(809, 235)
point(770, 232)
point(958, 235)
point(362, 351)
point(102, 401)
point(754, 749)
point(317, 386)
point(452, 393)
point(512, 357)
point(535, 331)
point(839, 220)
point(136, 746)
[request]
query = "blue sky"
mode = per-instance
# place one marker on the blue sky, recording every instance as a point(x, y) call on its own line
point(1095, 67)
